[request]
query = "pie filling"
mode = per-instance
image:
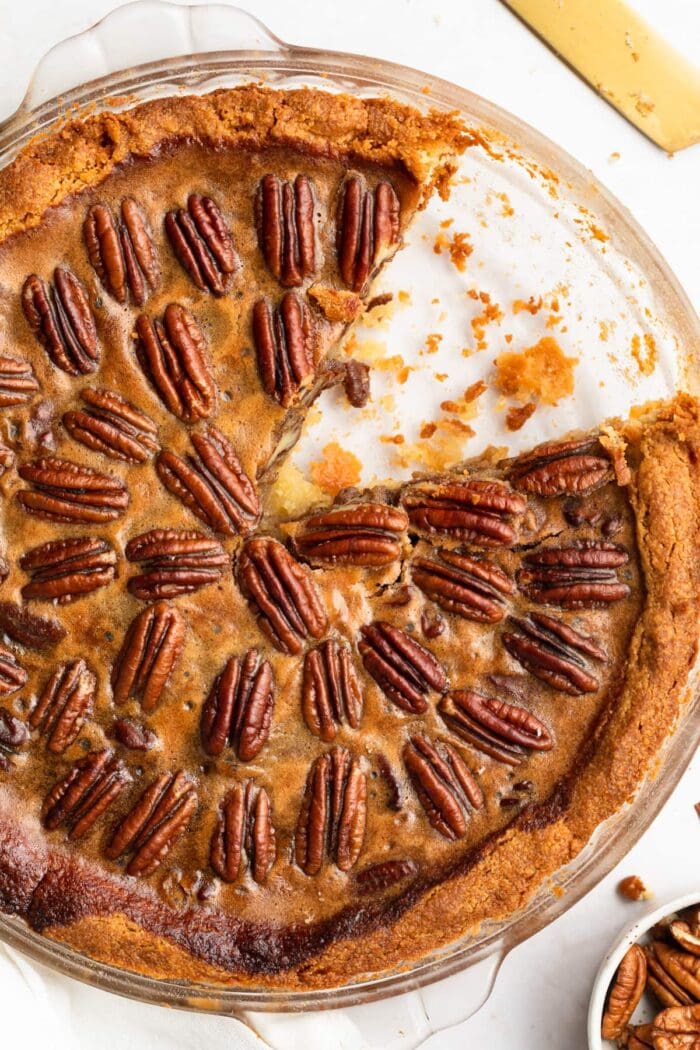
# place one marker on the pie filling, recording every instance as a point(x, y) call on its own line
point(235, 748)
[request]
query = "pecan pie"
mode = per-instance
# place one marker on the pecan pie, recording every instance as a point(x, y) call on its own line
point(292, 753)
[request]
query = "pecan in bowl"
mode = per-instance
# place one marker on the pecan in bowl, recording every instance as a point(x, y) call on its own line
point(647, 990)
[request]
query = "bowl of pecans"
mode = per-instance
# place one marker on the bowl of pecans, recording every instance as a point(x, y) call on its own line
point(647, 990)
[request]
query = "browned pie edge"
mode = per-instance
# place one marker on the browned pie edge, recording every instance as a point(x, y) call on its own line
point(84, 151)
point(79, 905)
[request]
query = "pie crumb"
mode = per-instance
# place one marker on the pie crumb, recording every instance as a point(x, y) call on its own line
point(338, 469)
point(633, 889)
point(542, 372)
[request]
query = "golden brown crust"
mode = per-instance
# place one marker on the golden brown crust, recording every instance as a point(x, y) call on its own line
point(84, 152)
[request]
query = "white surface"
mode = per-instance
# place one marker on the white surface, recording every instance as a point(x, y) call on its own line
point(541, 994)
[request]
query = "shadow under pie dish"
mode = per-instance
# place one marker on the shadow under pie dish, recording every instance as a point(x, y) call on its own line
point(287, 754)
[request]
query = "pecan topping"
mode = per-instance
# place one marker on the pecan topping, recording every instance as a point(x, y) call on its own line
point(176, 561)
point(625, 993)
point(356, 382)
point(333, 813)
point(567, 468)
point(13, 736)
point(504, 731)
point(462, 585)
point(69, 492)
point(330, 694)
point(283, 346)
point(122, 253)
point(18, 384)
point(152, 827)
point(151, 648)
point(362, 534)
point(446, 787)
point(403, 669)
point(203, 243)
point(368, 228)
point(112, 426)
point(378, 877)
point(282, 593)
point(36, 632)
point(84, 793)
point(284, 215)
point(63, 570)
point(554, 652)
point(472, 510)
point(133, 735)
point(677, 1028)
point(239, 707)
point(579, 577)
point(214, 486)
point(175, 359)
point(244, 834)
point(12, 674)
point(61, 319)
point(66, 701)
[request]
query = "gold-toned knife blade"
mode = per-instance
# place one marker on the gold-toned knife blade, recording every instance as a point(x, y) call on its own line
point(627, 62)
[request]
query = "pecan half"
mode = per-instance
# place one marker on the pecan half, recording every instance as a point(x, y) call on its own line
point(688, 940)
point(333, 813)
point(356, 382)
point(13, 736)
point(284, 346)
point(64, 570)
point(244, 835)
point(203, 243)
point(133, 735)
point(69, 492)
point(368, 228)
point(683, 968)
point(381, 876)
point(566, 468)
point(176, 561)
point(445, 785)
point(18, 384)
point(551, 650)
point(175, 359)
point(403, 669)
point(473, 510)
point(35, 632)
point(238, 710)
point(122, 253)
point(677, 1028)
point(582, 576)
point(659, 981)
point(504, 731)
point(84, 793)
point(466, 586)
point(214, 486)
point(12, 674)
point(282, 594)
point(367, 534)
point(151, 648)
point(65, 702)
point(331, 695)
point(153, 826)
point(284, 214)
point(60, 317)
point(112, 426)
point(625, 993)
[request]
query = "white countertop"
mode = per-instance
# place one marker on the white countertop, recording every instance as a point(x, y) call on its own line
point(541, 994)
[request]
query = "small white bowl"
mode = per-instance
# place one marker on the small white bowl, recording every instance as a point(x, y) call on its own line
point(612, 959)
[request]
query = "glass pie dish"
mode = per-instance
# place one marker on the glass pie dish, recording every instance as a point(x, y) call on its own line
point(592, 252)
